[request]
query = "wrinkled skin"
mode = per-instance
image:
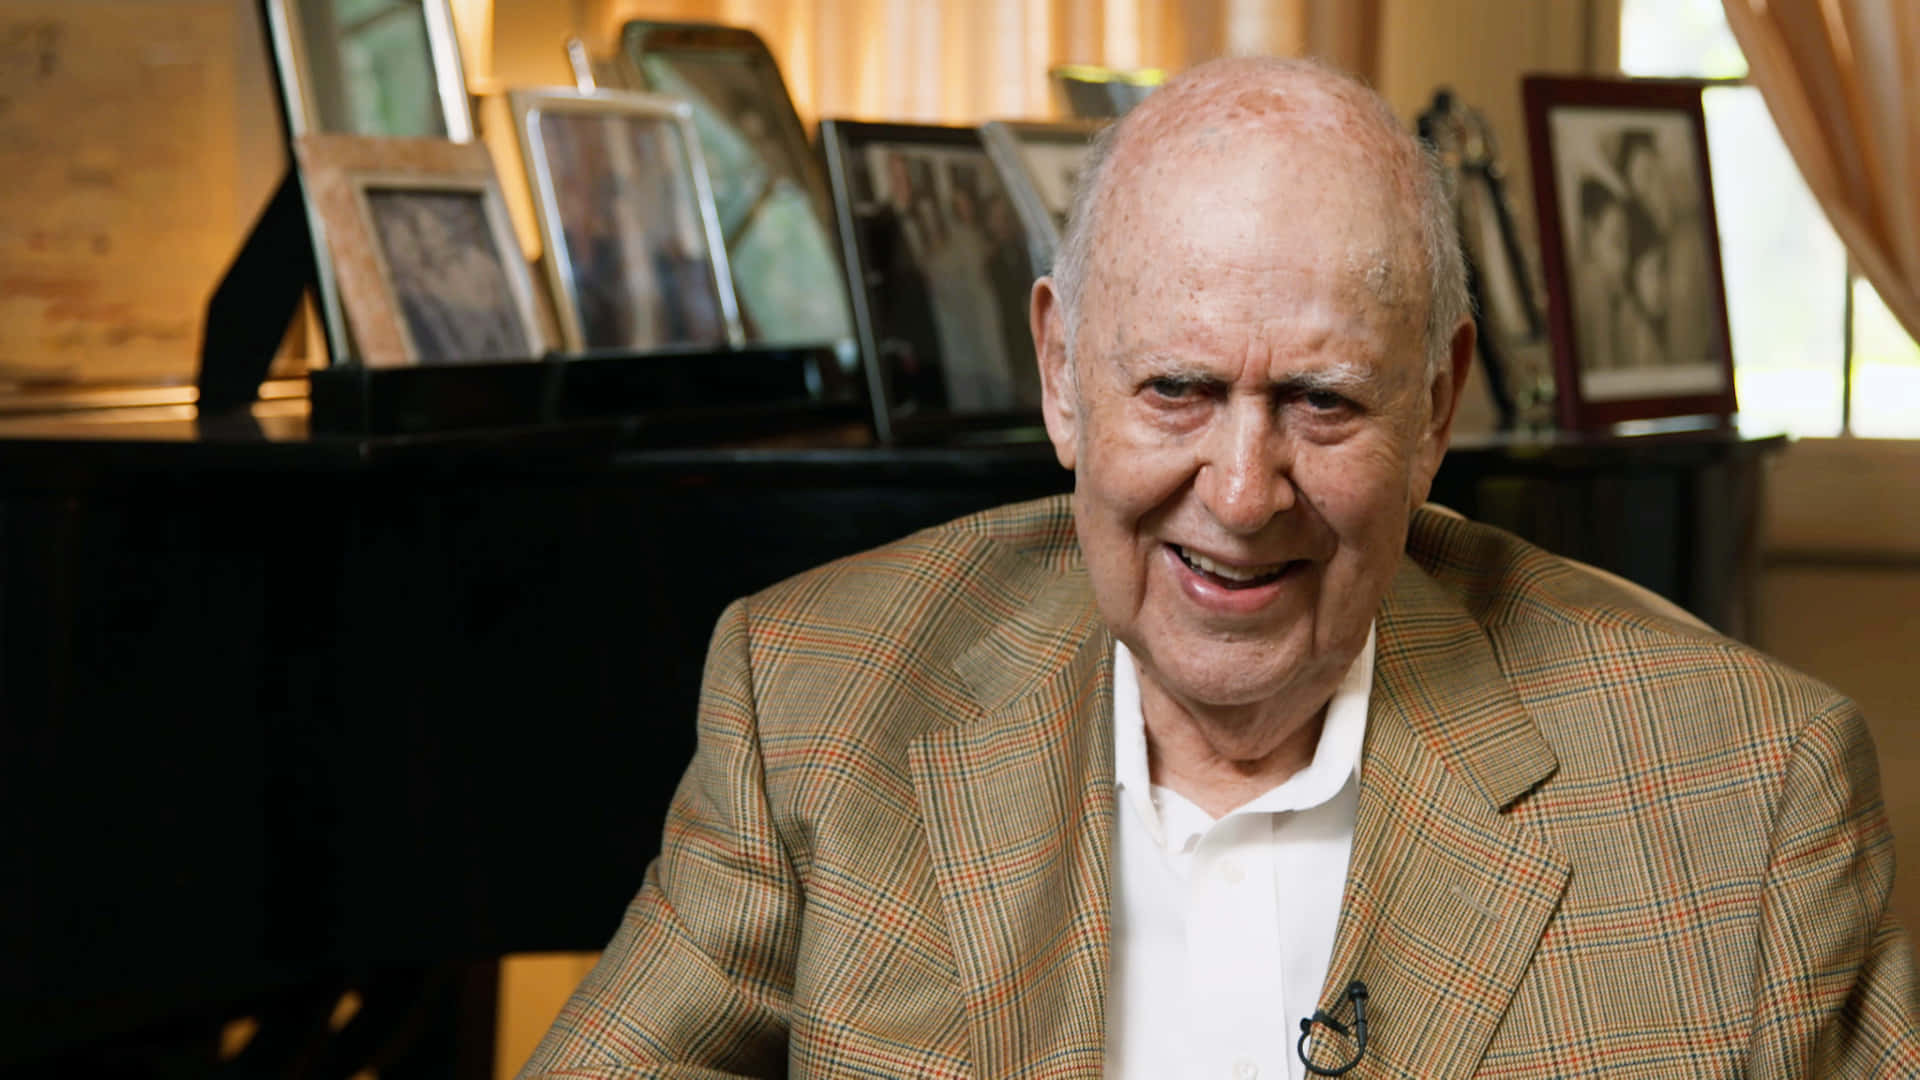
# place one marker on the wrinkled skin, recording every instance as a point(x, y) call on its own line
point(1247, 383)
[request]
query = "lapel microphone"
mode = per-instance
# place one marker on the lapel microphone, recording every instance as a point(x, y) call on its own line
point(1356, 993)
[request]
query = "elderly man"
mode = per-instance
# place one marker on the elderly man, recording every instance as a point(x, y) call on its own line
point(1135, 784)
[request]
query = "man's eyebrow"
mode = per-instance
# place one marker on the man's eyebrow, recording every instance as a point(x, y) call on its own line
point(1344, 377)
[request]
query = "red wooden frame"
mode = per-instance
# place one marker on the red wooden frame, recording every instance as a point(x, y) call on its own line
point(1542, 95)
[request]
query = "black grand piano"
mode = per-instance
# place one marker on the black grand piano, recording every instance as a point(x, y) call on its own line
point(290, 714)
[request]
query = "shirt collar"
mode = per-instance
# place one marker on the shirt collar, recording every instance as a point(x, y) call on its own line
point(1336, 758)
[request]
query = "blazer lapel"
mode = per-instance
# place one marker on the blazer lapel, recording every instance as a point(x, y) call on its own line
point(1018, 809)
point(1446, 896)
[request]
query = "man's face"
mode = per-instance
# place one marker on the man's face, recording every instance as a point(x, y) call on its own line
point(1249, 421)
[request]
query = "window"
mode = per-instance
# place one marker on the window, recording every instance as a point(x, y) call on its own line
point(1786, 271)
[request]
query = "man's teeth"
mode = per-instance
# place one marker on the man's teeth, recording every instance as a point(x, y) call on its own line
point(1231, 573)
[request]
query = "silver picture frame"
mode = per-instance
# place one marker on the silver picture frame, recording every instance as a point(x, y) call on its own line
point(300, 62)
point(1039, 162)
point(681, 204)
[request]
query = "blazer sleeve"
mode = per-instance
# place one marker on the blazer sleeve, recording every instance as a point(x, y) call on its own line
point(698, 981)
point(1837, 995)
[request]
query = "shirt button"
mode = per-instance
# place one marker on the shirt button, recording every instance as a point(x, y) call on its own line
point(1231, 873)
point(1245, 1070)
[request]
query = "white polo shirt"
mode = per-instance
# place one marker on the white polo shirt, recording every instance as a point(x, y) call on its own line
point(1223, 930)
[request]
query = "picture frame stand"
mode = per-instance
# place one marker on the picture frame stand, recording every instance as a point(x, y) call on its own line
point(249, 312)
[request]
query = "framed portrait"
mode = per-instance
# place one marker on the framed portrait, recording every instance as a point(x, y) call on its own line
point(1637, 308)
point(633, 250)
point(768, 195)
point(428, 266)
point(1040, 163)
point(365, 67)
point(940, 275)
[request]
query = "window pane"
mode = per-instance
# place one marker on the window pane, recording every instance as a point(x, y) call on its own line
point(1785, 272)
point(1886, 370)
point(1785, 269)
point(1678, 38)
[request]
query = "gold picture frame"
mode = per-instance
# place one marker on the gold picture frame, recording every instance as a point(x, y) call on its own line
point(424, 252)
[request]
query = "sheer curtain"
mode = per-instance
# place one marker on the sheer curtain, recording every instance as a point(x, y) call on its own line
point(963, 61)
point(1842, 79)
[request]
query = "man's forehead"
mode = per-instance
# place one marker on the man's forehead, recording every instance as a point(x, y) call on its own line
point(1261, 215)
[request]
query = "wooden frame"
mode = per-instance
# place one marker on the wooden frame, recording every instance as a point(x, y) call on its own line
point(1637, 307)
point(1029, 156)
point(350, 180)
point(684, 197)
point(293, 60)
point(940, 308)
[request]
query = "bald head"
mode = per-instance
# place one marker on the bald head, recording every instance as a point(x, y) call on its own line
point(1318, 142)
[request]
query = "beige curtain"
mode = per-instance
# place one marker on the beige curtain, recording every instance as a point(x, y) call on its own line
point(1842, 79)
point(964, 61)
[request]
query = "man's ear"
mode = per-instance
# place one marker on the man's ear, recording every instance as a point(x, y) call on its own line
point(1059, 399)
point(1443, 402)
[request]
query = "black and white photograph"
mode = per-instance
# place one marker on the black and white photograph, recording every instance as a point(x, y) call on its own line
point(1633, 266)
point(771, 206)
point(438, 251)
point(944, 258)
point(627, 222)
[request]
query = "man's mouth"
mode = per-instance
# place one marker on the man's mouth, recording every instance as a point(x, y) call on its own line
point(1228, 576)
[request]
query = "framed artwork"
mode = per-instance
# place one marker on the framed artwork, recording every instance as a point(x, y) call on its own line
point(1636, 306)
point(633, 250)
point(1040, 163)
point(1510, 319)
point(365, 67)
point(940, 275)
point(429, 269)
point(768, 194)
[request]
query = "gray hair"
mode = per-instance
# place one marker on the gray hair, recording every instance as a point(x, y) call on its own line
point(1448, 302)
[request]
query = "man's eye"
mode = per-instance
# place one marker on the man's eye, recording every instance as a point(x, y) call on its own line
point(1170, 388)
point(1325, 400)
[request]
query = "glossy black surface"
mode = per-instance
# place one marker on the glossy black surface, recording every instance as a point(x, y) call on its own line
point(282, 706)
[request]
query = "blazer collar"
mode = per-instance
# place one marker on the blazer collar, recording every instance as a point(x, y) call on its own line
point(1447, 894)
point(1018, 805)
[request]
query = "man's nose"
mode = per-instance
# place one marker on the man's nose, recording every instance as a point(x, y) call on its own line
point(1248, 475)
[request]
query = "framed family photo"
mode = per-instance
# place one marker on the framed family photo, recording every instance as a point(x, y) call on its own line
point(768, 194)
point(364, 67)
point(938, 266)
point(1040, 163)
point(429, 269)
point(1636, 303)
point(633, 249)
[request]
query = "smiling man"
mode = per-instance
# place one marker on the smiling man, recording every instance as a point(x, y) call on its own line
point(1134, 783)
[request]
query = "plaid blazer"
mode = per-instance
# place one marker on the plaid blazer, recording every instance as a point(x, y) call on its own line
point(1591, 840)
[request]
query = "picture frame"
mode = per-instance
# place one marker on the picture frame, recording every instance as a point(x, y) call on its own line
point(1040, 163)
point(428, 266)
point(1630, 246)
point(420, 91)
point(938, 267)
point(633, 248)
point(1509, 315)
point(769, 196)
